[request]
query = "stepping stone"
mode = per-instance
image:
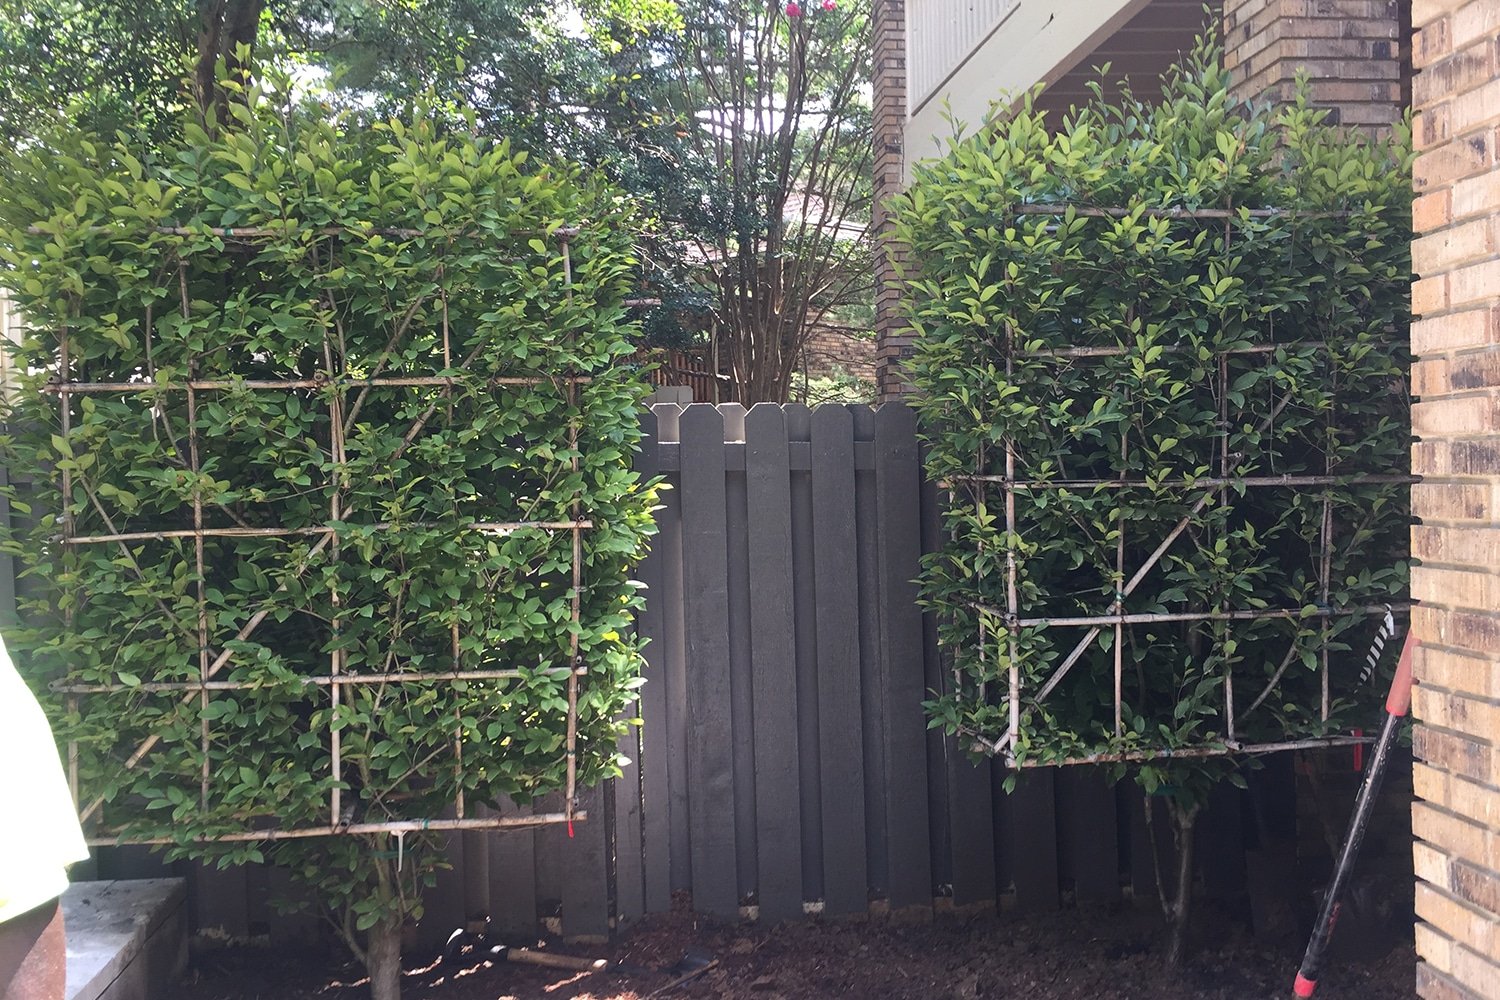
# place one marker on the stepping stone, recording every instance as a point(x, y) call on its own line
point(127, 939)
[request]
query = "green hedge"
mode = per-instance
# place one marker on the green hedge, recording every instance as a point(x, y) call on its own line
point(1310, 262)
point(345, 254)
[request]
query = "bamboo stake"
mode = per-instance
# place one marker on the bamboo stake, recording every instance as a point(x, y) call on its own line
point(388, 826)
point(1145, 568)
point(1119, 350)
point(1012, 595)
point(66, 424)
point(335, 624)
point(1119, 605)
point(577, 610)
point(202, 593)
point(1227, 214)
point(1217, 750)
point(1146, 617)
point(282, 385)
point(1205, 482)
point(483, 527)
point(343, 679)
point(260, 232)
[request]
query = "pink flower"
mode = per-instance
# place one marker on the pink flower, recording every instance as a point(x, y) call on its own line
point(793, 9)
point(830, 5)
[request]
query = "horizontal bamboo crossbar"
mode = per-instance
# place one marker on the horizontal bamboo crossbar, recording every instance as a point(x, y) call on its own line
point(1219, 749)
point(1249, 482)
point(264, 232)
point(1172, 213)
point(483, 527)
point(391, 826)
point(284, 385)
point(1120, 350)
point(1147, 617)
point(415, 677)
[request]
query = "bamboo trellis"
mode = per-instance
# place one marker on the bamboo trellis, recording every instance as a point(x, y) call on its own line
point(211, 663)
point(980, 484)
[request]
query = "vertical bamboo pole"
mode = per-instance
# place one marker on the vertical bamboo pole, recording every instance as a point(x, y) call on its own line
point(1326, 571)
point(198, 541)
point(1224, 496)
point(1012, 599)
point(453, 636)
point(65, 376)
point(336, 513)
point(1119, 604)
point(577, 532)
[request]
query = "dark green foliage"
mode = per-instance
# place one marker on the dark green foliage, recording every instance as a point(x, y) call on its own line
point(1324, 281)
point(381, 240)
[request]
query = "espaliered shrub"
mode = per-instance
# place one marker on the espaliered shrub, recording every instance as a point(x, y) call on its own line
point(1129, 322)
point(282, 269)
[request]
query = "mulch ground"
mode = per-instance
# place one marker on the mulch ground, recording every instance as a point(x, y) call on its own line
point(1073, 955)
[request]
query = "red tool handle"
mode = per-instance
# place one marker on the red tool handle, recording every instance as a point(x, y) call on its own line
point(1398, 702)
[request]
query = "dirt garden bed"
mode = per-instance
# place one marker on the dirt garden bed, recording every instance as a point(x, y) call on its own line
point(1098, 954)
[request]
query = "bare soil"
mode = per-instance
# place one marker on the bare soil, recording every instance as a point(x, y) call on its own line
point(1099, 954)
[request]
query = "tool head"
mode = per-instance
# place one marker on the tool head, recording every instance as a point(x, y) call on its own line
point(1303, 987)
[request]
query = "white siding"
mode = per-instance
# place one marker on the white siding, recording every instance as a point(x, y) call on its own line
point(944, 33)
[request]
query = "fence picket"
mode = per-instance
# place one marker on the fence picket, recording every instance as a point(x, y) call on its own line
point(674, 659)
point(1088, 838)
point(512, 870)
point(897, 476)
point(871, 700)
point(840, 740)
point(710, 753)
point(778, 814)
point(1028, 816)
point(809, 777)
point(654, 796)
point(741, 695)
point(584, 882)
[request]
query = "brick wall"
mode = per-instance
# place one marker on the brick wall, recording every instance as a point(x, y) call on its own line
point(833, 348)
point(894, 341)
point(1350, 50)
point(1456, 337)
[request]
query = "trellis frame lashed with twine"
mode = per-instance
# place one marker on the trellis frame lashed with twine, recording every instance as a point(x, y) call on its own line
point(334, 383)
point(1160, 361)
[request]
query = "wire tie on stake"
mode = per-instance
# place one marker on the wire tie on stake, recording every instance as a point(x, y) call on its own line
point(400, 849)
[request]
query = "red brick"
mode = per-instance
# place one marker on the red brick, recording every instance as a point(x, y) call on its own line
point(1475, 22)
point(1454, 671)
point(1475, 195)
point(1464, 70)
point(1434, 985)
point(1431, 43)
point(1454, 331)
point(1455, 415)
point(1460, 244)
point(1452, 161)
point(1457, 755)
point(1432, 210)
point(1440, 501)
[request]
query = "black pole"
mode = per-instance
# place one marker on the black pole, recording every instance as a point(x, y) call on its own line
point(1397, 703)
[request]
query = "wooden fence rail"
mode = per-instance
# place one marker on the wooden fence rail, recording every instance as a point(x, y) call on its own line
point(784, 765)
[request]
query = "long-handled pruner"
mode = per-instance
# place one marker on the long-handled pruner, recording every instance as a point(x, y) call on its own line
point(1397, 703)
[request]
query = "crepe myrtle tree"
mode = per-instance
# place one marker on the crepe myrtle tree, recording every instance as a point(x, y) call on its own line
point(1111, 309)
point(300, 517)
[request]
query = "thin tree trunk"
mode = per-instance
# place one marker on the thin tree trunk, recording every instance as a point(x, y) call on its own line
point(383, 960)
point(1183, 820)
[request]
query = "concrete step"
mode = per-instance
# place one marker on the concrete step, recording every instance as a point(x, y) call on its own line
point(127, 939)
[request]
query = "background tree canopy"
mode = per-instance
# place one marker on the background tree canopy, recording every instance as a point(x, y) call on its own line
point(742, 131)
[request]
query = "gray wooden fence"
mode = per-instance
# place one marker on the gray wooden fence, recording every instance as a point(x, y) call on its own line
point(784, 765)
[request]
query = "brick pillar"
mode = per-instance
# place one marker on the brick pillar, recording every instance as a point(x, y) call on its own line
point(1350, 50)
point(893, 339)
point(1456, 337)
